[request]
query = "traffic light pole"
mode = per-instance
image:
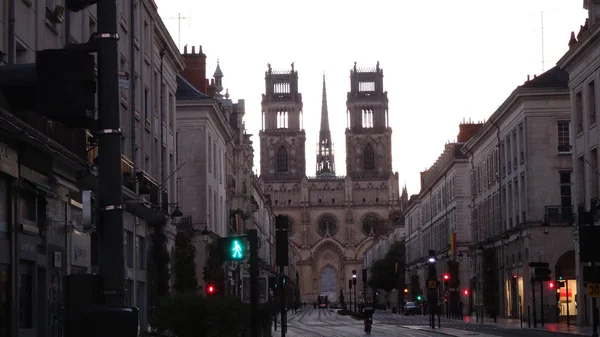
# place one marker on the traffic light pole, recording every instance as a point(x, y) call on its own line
point(542, 303)
point(112, 257)
point(253, 241)
point(282, 304)
point(533, 298)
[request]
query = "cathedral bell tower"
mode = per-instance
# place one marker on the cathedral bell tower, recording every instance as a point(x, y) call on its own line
point(325, 157)
point(282, 137)
point(368, 134)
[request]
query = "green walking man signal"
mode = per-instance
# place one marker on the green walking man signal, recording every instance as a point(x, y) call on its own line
point(233, 248)
point(236, 250)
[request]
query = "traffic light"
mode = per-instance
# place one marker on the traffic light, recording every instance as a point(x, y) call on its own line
point(283, 279)
point(551, 285)
point(232, 248)
point(419, 298)
point(61, 86)
point(210, 289)
point(446, 278)
point(405, 290)
point(541, 272)
point(78, 5)
point(466, 292)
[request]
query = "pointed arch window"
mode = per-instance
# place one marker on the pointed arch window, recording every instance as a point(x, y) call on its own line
point(369, 158)
point(282, 159)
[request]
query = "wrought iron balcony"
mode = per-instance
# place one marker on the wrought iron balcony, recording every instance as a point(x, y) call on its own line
point(558, 213)
point(73, 140)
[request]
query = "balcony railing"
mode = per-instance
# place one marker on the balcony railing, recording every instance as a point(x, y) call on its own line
point(73, 140)
point(559, 213)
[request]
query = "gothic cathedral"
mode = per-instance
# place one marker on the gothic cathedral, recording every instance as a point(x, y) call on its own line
point(334, 219)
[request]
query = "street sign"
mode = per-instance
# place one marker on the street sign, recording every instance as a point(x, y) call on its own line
point(432, 284)
point(593, 290)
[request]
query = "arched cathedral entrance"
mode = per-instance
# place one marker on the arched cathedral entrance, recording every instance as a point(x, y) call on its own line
point(328, 282)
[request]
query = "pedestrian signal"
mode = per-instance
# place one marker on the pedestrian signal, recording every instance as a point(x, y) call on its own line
point(233, 248)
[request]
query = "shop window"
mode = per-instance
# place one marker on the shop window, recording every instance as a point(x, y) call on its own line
point(129, 292)
point(140, 248)
point(26, 295)
point(27, 203)
point(4, 302)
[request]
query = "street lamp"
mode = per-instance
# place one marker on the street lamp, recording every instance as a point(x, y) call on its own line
point(354, 286)
point(205, 233)
point(176, 215)
point(546, 225)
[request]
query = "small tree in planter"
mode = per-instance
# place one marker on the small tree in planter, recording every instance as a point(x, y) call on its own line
point(185, 268)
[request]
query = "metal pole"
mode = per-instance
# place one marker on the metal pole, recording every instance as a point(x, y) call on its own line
point(253, 240)
point(282, 304)
point(568, 300)
point(542, 302)
point(110, 194)
point(533, 298)
point(594, 310)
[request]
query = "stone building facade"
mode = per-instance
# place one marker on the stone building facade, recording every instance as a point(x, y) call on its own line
point(582, 63)
point(438, 219)
point(148, 63)
point(521, 203)
point(334, 219)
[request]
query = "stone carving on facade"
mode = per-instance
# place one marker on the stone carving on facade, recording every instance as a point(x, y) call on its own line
point(349, 217)
point(327, 257)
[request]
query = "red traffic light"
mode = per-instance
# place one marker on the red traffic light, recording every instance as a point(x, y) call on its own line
point(446, 277)
point(551, 285)
point(211, 289)
point(466, 292)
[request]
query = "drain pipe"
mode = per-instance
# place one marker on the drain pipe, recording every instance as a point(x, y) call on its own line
point(11, 32)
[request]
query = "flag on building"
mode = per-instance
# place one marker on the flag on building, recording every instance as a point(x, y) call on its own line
point(453, 245)
point(239, 224)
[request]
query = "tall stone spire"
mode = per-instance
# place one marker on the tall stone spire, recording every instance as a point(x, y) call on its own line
point(325, 157)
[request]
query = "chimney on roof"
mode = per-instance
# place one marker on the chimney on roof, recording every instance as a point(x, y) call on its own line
point(528, 78)
point(195, 68)
point(466, 131)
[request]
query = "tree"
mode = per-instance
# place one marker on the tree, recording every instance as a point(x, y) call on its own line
point(158, 264)
point(191, 314)
point(388, 272)
point(214, 265)
point(185, 268)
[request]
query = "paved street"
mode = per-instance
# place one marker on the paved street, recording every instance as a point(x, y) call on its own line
point(383, 318)
point(313, 323)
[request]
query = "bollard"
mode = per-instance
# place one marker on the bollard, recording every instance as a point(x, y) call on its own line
point(528, 316)
point(521, 315)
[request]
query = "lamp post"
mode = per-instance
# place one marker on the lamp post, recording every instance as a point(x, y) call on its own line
point(546, 224)
point(176, 215)
point(205, 235)
point(354, 286)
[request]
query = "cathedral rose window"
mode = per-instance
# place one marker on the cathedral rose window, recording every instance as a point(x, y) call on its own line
point(371, 223)
point(327, 225)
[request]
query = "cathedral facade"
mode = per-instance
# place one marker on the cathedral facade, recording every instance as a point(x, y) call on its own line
point(333, 219)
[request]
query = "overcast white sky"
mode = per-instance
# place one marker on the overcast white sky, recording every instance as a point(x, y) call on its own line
point(442, 60)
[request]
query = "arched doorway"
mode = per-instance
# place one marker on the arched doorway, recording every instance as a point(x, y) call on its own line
point(567, 295)
point(328, 282)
